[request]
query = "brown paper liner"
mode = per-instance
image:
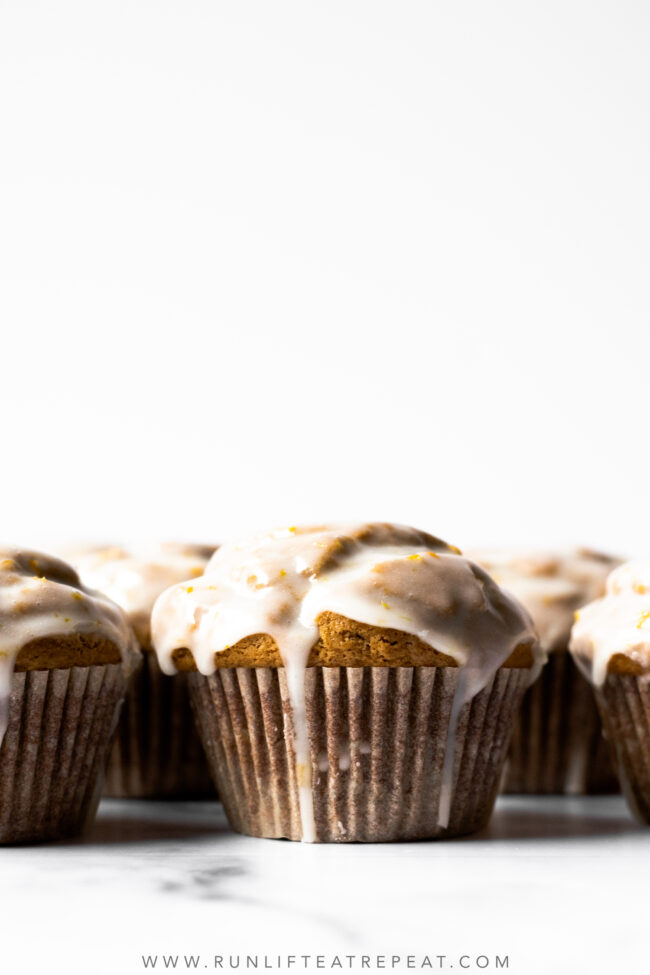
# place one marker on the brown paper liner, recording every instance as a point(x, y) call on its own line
point(54, 750)
point(558, 746)
point(377, 739)
point(624, 703)
point(157, 752)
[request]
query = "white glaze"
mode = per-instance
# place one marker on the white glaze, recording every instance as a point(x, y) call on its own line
point(619, 622)
point(41, 596)
point(135, 577)
point(381, 575)
point(551, 585)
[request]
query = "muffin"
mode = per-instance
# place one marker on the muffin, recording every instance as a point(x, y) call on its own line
point(610, 643)
point(157, 752)
point(557, 743)
point(351, 683)
point(66, 655)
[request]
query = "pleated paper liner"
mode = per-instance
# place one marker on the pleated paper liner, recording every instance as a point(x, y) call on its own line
point(55, 748)
point(377, 738)
point(558, 746)
point(624, 703)
point(157, 752)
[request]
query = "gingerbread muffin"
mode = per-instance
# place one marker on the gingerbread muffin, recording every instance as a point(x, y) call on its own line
point(557, 743)
point(610, 643)
point(351, 683)
point(157, 752)
point(66, 656)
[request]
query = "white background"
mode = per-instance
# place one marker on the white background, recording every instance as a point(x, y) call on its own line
point(267, 263)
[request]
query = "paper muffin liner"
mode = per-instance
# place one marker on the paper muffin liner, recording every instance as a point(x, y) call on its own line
point(157, 752)
point(377, 739)
point(558, 746)
point(54, 750)
point(624, 703)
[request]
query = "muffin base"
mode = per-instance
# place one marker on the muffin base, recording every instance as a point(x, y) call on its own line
point(157, 753)
point(377, 739)
point(54, 751)
point(624, 703)
point(558, 746)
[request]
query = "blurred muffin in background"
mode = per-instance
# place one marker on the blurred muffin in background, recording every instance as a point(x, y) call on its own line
point(352, 683)
point(66, 657)
point(157, 752)
point(610, 643)
point(557, 744)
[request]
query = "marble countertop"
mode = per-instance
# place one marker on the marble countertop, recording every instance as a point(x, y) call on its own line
point(554, 885)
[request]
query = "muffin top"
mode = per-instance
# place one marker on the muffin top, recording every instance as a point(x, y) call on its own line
point(286, 584)
point(135, 577)
point(49, 619)
point(42, 598)
point(551, 585)
point(612, 634)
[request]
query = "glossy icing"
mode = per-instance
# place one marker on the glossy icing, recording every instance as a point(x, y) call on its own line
point(551, 585)
point(135, 577)
point(617, 623)
point(42, 596)
point(382, 575)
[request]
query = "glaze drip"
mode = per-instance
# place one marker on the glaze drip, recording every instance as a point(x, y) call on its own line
point(385, 576)
point(42, 596)
point(618, 623)
point(135, 577)
point(551, 585)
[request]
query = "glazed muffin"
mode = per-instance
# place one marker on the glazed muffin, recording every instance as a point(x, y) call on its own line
point(610, 643)
point(66, 656)
point(157, 752)
point(350, 683)
point(557, 743)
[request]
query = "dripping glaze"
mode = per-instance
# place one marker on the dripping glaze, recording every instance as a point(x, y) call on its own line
point(618, 623)
point(134, 576)
point(551, 585)
point(386, 576)
point(42, 596)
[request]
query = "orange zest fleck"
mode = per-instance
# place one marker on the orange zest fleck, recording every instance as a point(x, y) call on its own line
point(643, 618)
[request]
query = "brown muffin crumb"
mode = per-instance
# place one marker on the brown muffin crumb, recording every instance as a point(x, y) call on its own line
point(620, 663)
point(344, 643)
point(75, 650)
